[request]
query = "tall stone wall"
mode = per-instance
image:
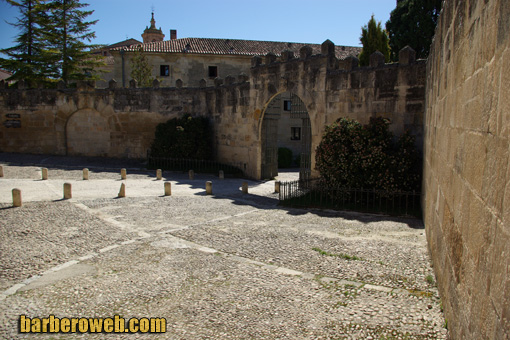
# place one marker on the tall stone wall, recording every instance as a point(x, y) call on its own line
point(467, 166)
point(120, 122)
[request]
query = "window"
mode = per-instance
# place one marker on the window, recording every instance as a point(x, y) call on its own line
point(213, 71)
point(295, 133)
point(164, 70)
point(287, 105)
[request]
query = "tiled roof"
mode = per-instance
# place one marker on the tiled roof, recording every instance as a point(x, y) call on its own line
point(127, 42)
point(233, 47)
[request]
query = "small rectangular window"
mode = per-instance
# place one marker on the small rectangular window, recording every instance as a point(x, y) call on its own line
point(287, 105)
point(213, 71)
point(295, 133)
point(164, 70)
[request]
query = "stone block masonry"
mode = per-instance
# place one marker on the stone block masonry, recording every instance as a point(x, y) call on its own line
point(467, 166)
point(121, 122)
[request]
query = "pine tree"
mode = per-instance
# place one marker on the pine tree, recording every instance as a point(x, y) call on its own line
point(67, 40)
point(28, 60)
point(373, 38)
point(140, 69)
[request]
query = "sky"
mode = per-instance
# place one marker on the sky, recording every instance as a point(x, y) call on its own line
point(310, 21)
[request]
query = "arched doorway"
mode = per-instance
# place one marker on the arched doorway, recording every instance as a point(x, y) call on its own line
point(285, 124)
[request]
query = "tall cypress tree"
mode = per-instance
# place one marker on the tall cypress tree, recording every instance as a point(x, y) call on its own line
point(28, 59)
point(373, 38)
point(68, 40)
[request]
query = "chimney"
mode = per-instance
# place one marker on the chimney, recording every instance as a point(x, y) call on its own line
point(173, 34)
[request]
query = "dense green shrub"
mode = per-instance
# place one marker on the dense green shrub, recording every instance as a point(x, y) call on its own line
point(355, 156)
point(186, 137)
point(284, 158)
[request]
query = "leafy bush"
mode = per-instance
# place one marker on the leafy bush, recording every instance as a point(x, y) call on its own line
point(186, 137)
point(284, 158)
point(351, 155)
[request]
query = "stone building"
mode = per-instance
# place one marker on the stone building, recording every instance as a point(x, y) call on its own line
point(194, 59)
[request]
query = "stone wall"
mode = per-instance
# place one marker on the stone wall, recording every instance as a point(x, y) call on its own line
point(120, 122)
point(467, 166)
point(190, 68)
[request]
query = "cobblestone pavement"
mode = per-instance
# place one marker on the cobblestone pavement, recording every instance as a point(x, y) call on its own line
point(227, 266)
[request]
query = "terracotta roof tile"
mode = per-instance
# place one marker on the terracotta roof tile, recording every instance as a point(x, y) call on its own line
point(233, 47)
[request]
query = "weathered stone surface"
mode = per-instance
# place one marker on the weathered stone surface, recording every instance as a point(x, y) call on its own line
point(123, 173)
point(168, 189)
point(208, 188)
point(122, 191)
point(270, 58)
point(16, 197)
point(44, 174)
point(376, 59)
point(406, 56)
point(466, 168)
point(85, 174)
point(122, 122)
point(68, 194)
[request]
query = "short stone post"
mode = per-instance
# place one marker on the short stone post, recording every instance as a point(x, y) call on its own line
point(1, 171)
point(277, 186)
point(85, 174)
point(208, 188)
point(191, 174)
point(168, 189)
point(44, 174)
point(16, 197)
point(245, 187)
point(67, 191)
point(123, 173)
point(222, 174)
point(159, 175)
point(122, 192)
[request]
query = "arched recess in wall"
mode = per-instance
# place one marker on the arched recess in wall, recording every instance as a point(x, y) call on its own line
point(87, 134)
point(285, 124)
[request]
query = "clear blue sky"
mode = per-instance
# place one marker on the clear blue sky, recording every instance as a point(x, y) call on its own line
point(310, 21)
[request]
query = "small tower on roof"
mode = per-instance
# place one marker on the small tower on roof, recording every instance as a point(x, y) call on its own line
point(151, 34)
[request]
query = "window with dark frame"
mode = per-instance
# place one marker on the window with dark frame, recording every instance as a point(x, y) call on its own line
point(164, 70)
point(295, 133)
point(287, 105)
point(213, 71)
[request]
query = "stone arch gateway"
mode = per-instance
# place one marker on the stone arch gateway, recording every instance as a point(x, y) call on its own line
point(285, 123)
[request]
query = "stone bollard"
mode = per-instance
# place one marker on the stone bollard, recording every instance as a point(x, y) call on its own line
point(159, 174)
point(1, 171)
point(85, 174)
point(168, 189)
point(67, 191)
point(208, 188)
point(277, 186)
point(222, 174)
point(44, 174)
point(16, 197)
point(123, 173)
point(191, 174)
point(245, 187)
point(122, 192)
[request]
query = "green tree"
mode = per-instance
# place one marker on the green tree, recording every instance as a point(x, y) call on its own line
point(413, 23)
point(71, 31)
point(28, 59)
point(373, 38)
point(140, 69)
